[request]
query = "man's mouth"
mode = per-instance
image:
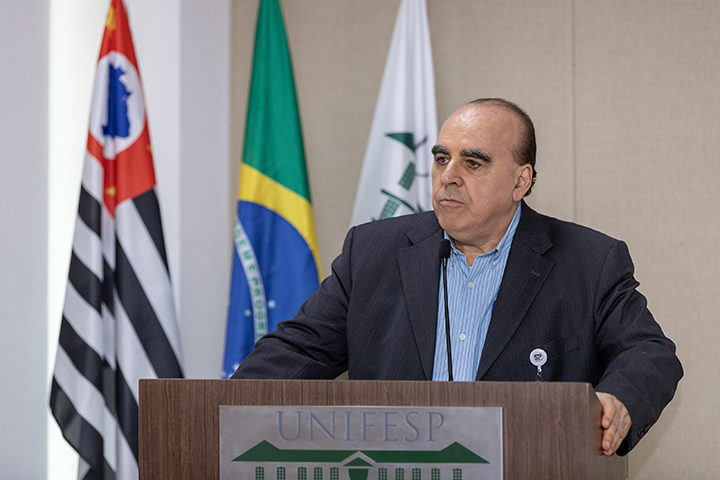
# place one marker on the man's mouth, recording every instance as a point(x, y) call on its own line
point(450, 201)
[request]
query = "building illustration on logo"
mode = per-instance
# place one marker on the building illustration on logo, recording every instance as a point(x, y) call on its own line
point(393, 202)
point(423, 464)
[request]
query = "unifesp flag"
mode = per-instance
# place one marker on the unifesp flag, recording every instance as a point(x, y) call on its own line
point(118, 322)
point(276, 264)
point(395, 177)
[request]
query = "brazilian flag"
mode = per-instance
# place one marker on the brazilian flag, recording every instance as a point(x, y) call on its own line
point(276, 263)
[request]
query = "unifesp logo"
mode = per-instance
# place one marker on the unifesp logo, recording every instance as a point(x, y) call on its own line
point(354, 442)
point(117, 115)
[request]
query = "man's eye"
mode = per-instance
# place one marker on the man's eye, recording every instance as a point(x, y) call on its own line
point(441, 160)
point(473, 164)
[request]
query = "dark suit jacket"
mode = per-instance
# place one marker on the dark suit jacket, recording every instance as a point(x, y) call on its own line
point(566, 289)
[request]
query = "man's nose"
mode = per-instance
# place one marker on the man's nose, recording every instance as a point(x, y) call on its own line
point(451, 173)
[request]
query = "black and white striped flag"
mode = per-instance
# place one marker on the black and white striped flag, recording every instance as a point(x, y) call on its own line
point(118, 320)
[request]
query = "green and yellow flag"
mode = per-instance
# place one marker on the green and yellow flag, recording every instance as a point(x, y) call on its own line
point(276, 264)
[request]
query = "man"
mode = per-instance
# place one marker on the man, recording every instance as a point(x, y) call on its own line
point(518, 281)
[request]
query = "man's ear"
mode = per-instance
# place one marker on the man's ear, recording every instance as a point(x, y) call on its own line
point(524, 181)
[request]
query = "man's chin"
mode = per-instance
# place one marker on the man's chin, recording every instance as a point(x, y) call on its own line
point(449, 224)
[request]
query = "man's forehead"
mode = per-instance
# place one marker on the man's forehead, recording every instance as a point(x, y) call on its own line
point(480, 121)
point(476, 114)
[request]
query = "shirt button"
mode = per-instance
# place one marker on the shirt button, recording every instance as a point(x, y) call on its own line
point(462, 336)
point(494, 263)
point(470, 284)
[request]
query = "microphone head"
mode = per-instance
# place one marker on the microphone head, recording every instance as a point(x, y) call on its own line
point(444, 248)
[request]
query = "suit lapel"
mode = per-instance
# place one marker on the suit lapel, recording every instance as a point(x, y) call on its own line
point(420, 275)
point(525, 272)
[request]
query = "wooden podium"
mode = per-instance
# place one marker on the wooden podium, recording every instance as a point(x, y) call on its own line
point(551, 431)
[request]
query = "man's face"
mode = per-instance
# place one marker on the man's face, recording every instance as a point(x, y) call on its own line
point(476, 182)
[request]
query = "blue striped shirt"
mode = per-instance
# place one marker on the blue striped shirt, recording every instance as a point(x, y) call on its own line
point(471, 297)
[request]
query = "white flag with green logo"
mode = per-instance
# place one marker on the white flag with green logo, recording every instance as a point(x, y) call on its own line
point(395, 177)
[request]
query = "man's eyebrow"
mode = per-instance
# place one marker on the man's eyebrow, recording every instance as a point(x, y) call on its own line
point(440, 149)
point(474, 153)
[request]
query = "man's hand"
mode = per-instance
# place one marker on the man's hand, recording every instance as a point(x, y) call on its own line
point(615, 422)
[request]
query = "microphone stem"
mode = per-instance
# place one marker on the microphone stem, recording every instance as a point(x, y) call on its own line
point(447, 321)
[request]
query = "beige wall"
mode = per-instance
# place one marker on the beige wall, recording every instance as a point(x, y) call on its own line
point(626, 101)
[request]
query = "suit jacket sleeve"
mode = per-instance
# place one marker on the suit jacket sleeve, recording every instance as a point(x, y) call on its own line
point(640, 366)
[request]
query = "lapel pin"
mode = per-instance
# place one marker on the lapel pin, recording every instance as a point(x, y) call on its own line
point(538, 357)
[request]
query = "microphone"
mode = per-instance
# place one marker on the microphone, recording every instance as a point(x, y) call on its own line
point(444, 254)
